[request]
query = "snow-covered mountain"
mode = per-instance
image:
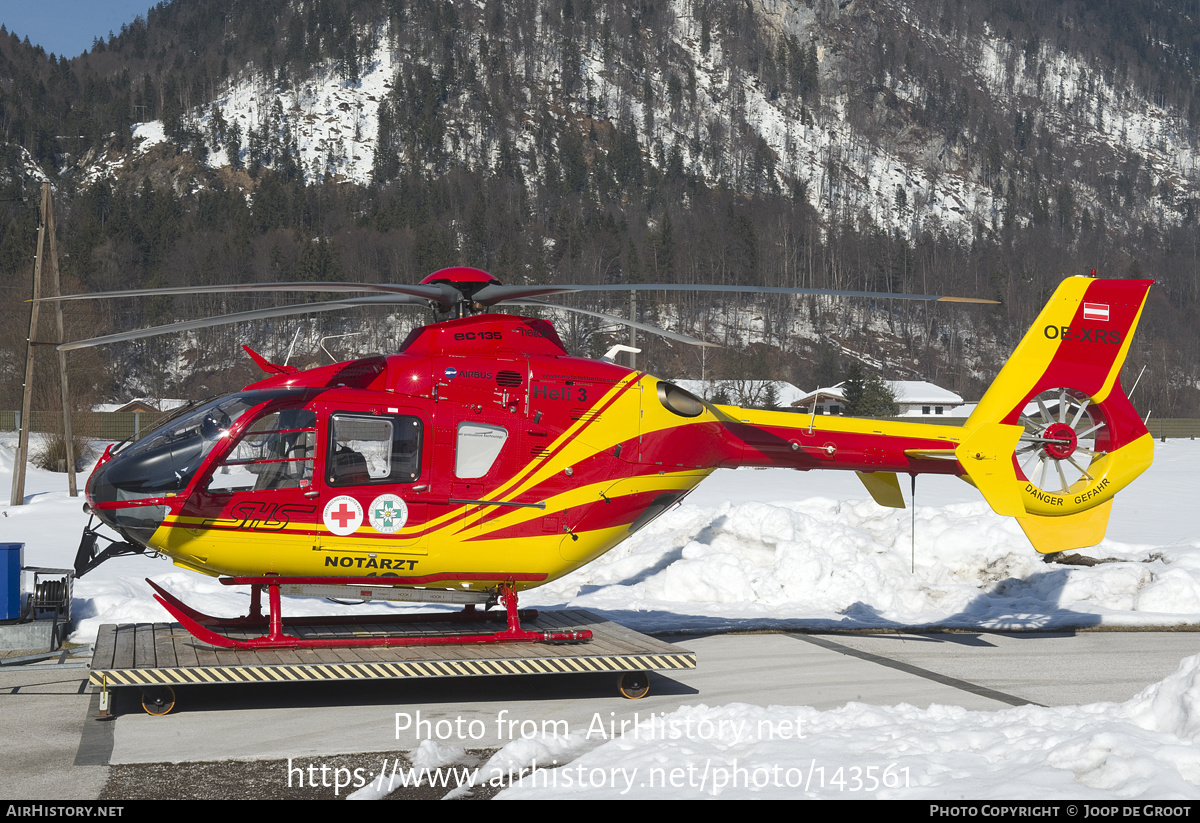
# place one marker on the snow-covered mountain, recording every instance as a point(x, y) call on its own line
point(853, 140)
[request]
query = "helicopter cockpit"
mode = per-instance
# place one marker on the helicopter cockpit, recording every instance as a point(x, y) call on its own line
point(276, 450)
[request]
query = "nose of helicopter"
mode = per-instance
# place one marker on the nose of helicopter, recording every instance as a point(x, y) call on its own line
point(123, 493)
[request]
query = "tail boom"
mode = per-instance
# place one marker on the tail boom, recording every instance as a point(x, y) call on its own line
point(1051, 442)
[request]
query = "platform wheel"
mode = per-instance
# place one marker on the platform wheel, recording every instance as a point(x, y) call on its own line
point(158, 700)
point(634, 685)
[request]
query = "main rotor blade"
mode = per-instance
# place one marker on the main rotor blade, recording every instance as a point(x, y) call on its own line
point(445, 296)
point(682, 338)
point(493, 294)
point(257, 314)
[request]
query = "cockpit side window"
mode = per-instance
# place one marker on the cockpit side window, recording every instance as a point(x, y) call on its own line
point(365, 449)
point(276, 452)
point(168, 459)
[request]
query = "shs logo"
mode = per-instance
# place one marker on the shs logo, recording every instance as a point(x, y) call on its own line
point(267, 517)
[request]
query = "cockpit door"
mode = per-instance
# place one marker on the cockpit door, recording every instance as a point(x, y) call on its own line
point(372, 510)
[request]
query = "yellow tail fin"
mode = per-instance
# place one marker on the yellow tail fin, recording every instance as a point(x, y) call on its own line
point(1055, 437)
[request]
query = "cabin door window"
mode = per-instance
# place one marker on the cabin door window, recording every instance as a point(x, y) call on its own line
point(365, 449)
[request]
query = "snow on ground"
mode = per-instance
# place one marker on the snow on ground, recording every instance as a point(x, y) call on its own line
point(777, 549)
point(1144, 748)
point(148, 135)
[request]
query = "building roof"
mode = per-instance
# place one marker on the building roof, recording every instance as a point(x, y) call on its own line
point(141, 404)
point(817, 395)
point(914, 392)
point(785, 392)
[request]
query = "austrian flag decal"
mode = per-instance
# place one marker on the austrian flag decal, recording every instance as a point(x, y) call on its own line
point(1095, 311)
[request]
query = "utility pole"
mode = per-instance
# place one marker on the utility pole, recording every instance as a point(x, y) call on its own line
point(63, 390)
point(22, 457)
point(632, 330)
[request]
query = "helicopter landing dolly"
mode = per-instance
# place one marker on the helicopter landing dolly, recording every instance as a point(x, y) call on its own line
point(158, 658)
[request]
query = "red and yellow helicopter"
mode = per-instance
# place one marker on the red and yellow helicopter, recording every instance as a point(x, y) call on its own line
point(482, 459)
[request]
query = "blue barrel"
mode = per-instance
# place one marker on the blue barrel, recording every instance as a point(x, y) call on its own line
point(12, 557)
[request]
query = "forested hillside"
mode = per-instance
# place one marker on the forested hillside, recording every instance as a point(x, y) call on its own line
point(935, 146)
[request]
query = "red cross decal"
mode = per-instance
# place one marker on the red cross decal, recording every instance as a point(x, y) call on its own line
point(343, 516)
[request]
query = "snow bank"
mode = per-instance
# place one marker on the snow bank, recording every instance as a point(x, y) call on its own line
point(1144, 748)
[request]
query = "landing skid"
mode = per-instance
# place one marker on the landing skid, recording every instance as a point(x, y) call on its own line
point(203, 626)
point(256, 619)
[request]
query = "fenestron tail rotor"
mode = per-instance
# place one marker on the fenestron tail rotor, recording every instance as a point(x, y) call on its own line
point(1062, 427)
point(1055, 437)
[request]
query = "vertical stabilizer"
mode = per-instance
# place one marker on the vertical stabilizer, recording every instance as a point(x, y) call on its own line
point(1055, 437)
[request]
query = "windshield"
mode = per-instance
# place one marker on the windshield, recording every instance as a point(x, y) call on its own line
point(166, 459)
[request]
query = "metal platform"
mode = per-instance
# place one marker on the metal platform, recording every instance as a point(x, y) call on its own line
point(165, 654)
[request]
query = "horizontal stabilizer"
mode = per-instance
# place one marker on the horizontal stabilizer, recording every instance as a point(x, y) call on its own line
point(884, 488)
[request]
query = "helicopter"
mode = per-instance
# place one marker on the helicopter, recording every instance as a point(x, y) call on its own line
point(482, 459)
